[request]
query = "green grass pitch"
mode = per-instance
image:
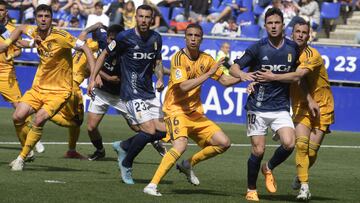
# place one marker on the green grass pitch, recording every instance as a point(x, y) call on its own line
point(51, 178)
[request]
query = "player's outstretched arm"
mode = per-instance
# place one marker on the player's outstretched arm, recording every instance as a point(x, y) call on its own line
point(12, 38)
point(228, 80)
point(84, 33)
point(236, 72)
point(267, 76)
point(95, 71)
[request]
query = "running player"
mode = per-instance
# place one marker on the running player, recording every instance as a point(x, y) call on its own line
point(52, 84)
point(185, 118)
point(138, 52)
point(313, 111)
point(269, 105)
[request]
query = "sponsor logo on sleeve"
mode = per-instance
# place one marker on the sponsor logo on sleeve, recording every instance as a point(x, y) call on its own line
point(112, 45)
point(178, 74)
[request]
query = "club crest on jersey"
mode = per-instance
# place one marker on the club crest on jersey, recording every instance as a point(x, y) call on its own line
point(112, 45)
point(289, 57)
point(178, 74)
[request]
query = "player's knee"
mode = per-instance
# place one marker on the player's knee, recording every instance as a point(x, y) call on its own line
point(225, 144)
point(289, 145)
point(40, 120)
point(180, 144)
point(258, 150)
point(18, 118)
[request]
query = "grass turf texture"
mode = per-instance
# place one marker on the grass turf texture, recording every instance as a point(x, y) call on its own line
point(52, 178)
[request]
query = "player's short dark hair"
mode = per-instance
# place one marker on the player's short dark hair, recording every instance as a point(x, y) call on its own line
point(114, 29)
point(99, 4)
point(274, 11)
point(301, 21)
point(194, 25)
point(3, 3)
point(43, 7)
point(145, 7)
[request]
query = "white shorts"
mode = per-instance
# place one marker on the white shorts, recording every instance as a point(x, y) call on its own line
point(141, 111)
point(258, 122)
point(103, 100)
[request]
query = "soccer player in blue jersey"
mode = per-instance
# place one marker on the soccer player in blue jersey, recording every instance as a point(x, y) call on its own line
point(269, 104)
point(138, 52)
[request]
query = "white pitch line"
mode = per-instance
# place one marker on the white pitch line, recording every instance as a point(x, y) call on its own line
point(234, 145)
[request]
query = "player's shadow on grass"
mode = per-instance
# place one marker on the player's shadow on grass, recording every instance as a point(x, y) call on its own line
point(146, 181)
point(11, 148)
point(199, 191)
point(48, 168)
point(292, 198)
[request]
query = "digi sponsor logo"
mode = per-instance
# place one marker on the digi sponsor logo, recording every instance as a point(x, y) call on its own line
point(140, 56)
point(277, 67)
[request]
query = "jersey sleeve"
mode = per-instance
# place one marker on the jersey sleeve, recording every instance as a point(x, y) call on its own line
point(248, 58)
point(311, 62)
point(66, 40)
point(178, 71)
point(116, 45)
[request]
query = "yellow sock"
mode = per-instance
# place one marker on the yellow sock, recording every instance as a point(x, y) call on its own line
point(167, 162)
point(32, 138)
point(206, 153)
point(22, 130)
point(302, 158)
point(74, 133)
point(313, 149)
point(61, 121)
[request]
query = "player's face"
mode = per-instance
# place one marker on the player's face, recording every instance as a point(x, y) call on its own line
point(193, 38)
point(3, 12)
point(274, 26)
point(301, 34)
point(43, 20)
point(143, 20)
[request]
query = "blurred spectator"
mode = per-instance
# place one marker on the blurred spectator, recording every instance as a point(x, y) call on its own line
point(75, 12)
point(289, 11)
point(115, 12)
point(35, 3)
point(74, 23)
point(58, 13)
point(310, 12)
point(198, 12)
point(275, 4)
point(224, 52)
point(357, 5)
point(171, 4)
point(227, 28)
point(98, 16)
point(129, 15)
point(345, 9)
point(158, 23)
point(88, 6)
point(233, 9)
point(357, 38)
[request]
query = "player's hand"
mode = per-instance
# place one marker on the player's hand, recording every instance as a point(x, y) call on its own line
point(159, 85)
point(113, 79)
point(244, 76)
point(98, 81)
point(265, 75)
point(215, 67)
point(90, 89)
point(314, 108)
point(9, 57)
point(250, 88)
point(37, 40)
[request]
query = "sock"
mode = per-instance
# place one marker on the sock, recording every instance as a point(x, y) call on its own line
point(313, 149)
point(61, 121)
point(22, 130)
point(32, 138)
point(74, 133)
point(125, 145)
point(98, 144)
point(302, 158)
point(206, 153)
point(158, 136)
point(280, 155)
point(166, 163)
point(253, 170)
point(137, 144)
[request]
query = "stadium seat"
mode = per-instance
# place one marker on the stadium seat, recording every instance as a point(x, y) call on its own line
point(247, 4)
point(15, 15)
point(330, 10)
point(245, 17)
point(215, 6)
point(207, 27)
point(165, 14)
point(288, 31)
point(177, 11)
point(250, 31)
point(258, 10)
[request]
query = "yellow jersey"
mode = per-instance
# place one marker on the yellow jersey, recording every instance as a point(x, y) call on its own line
point(317, 81)
point(7, 62)
point(54, 72)
point(183, 68)
point(80, 70)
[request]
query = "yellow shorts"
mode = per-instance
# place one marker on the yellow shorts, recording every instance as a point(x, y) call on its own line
point(9, 87)
point(73, 110)
point(50, 101)
point(198, 127)
point(322, 123)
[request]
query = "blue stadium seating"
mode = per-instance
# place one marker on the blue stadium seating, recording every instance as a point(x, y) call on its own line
point(330, 10)
point(258, 10)
point(177, 11)
point(215, 6)
point(207, 27)
point(250, 31)
point(15, 15)
point(165, 14)
point(248, 4)
point(247, 16)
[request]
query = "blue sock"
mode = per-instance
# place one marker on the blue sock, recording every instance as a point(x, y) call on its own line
point(158, 136)
point(280, 155)
point(138, 143)
point(125, 145)
point(253, 170)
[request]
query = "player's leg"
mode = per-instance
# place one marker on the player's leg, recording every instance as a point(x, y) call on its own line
point(93, 122)
point(177, 134)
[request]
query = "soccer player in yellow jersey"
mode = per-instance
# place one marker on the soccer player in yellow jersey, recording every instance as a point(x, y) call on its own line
point(184, 115)
point(53, 81)
point(313, 109)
